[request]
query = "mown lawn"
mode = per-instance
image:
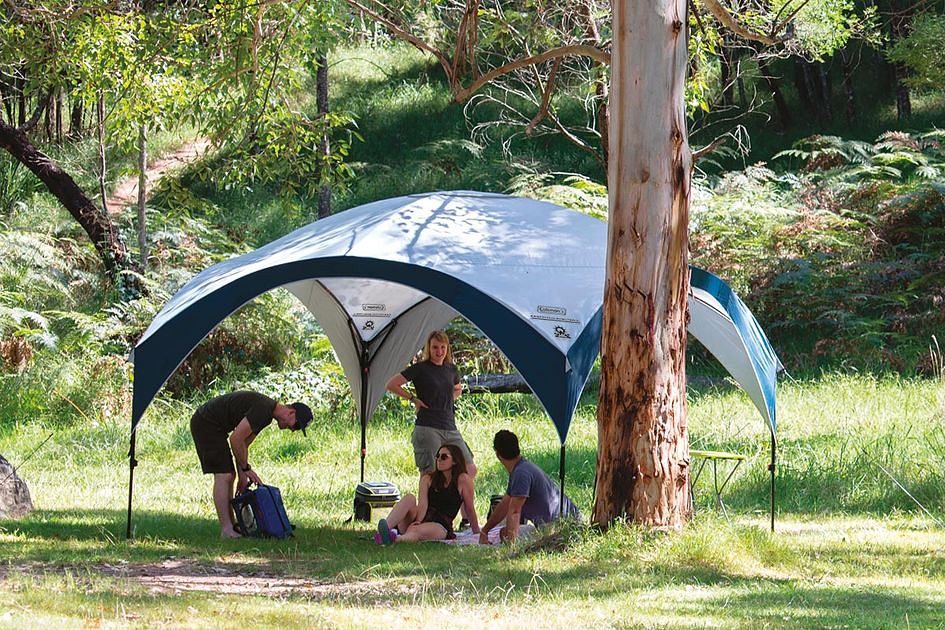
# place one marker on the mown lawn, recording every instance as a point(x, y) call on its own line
point(850, 550)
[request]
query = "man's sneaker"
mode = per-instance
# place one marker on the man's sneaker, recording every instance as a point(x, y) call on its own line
point(463, 525)
point(387, 535)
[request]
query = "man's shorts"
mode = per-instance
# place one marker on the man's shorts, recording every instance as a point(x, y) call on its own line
point(213, 448)
point(427, 441)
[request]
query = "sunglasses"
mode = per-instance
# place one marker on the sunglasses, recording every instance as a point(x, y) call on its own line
point(443, 456)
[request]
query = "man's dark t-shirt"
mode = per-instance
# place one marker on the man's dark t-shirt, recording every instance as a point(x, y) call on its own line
point(542, 495)
point(434, 385)
point(223, 413)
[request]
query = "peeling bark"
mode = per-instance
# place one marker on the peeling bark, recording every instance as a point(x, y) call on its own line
point(643, 450)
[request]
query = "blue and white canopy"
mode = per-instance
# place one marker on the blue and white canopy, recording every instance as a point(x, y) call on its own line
point(379, 277)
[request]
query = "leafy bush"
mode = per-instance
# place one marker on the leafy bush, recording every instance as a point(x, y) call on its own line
point(260, 334)
point(16, 184)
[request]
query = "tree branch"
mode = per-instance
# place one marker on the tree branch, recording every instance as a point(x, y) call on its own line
point(461, 94)
point(545, 98)
point(727, 20)
point(409, 37)
point(27, 126)
point(709, 148)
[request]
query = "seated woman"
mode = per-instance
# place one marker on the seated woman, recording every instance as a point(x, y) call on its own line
point(442, 492)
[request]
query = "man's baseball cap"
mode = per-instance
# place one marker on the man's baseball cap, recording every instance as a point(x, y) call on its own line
point(303, 415)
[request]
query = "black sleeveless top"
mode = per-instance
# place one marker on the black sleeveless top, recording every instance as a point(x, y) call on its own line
point(443, 506)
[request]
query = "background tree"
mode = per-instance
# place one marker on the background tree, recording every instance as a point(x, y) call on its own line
point(234, 69)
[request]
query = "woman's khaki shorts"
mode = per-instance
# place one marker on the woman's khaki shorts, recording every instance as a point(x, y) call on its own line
point(427, 441)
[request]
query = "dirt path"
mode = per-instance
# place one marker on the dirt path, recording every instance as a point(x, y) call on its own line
point(126, 192)
point(179, 575)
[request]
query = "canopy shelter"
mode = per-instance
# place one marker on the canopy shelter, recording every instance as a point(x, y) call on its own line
point(378, 277)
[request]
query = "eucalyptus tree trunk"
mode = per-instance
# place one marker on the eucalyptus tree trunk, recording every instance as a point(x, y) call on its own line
point(643, 450)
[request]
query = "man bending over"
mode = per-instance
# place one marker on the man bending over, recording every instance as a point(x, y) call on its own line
point(241, 415)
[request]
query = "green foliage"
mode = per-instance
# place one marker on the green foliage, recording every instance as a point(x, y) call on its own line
point(16, 184)
point(417, 140)
point(262, 333)
point(843, 262)
point(921, 50)
point(840, 521)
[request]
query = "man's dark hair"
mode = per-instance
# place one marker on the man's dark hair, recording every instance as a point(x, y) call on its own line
point(505, 444)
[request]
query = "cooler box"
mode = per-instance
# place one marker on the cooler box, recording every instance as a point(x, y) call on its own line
point(373, 494)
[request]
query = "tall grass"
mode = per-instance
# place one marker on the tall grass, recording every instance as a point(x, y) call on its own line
point(845, 553)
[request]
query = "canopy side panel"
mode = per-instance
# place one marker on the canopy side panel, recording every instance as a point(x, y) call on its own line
point(580, 359)
point(716, 331)
point(405, 339)
point(335, 323)
point(764, 360)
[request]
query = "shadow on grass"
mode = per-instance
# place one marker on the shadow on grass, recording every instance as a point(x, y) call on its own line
point(825, 606)
point(341, 564)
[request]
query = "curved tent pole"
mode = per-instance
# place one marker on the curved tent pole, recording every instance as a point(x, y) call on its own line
point(366, 358)
point(365, 362)
point(506, 329)
point(132, 462)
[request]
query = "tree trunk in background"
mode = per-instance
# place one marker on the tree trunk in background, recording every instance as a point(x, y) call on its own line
point(75, 120)
point(7, 98)
point(825, 92)
point(899, 28)
point(802, 87)
point(321, 97)
point(780, 105)
point(47, 118)
point(601, 86)
point(60, 104)
point(727, 73)
point(97, 225)
point(20, 85)
point(814, 90)
point(643, 449)
point(100, 127)
point(142, 197)
point(903, 98)
point(846, 59)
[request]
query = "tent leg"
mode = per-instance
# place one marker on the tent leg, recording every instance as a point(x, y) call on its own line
point(365, 372)
point(363, 447)
point(132, 462)
point(561, 478)
point(771, 466)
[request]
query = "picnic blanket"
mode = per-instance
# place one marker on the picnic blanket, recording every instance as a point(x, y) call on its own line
point(466, 537)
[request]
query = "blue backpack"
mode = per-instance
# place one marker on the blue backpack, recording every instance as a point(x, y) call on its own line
point(260, 513)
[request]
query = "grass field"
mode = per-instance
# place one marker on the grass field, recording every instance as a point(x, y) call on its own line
point(850, 550)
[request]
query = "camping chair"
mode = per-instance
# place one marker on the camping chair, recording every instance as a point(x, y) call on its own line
point(715, 458)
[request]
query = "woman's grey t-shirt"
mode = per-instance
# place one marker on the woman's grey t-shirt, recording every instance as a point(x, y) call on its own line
point(542, 495)
point(434, 385)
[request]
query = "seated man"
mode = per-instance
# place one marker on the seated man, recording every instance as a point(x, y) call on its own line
point(531, 494)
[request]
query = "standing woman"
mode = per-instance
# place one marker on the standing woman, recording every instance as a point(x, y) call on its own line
point(441, 494)
point(436, 382)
